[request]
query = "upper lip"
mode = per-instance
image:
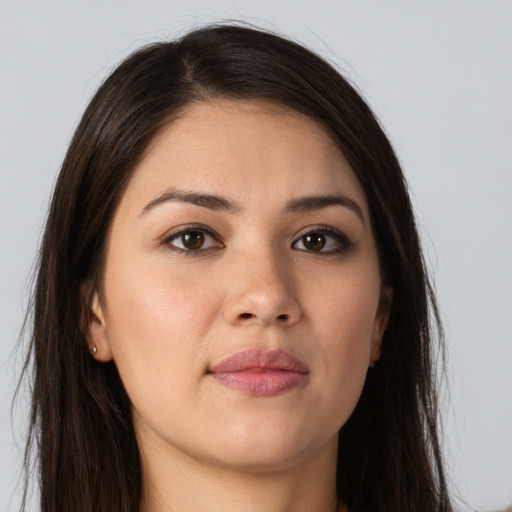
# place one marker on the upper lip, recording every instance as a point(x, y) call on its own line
point(256, 358)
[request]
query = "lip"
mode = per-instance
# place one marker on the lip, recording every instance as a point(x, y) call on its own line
point(260, 372)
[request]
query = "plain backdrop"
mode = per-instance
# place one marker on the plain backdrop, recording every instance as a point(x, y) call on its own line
point(438, 74)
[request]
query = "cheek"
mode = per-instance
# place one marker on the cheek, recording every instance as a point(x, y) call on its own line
point(156, 306)
point(155, 323)
point(344, 306)
point(344, 330)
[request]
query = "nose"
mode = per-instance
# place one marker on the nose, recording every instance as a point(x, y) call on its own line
point(260, 292)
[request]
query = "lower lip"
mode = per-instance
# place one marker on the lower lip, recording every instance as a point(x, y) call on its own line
point(261, 382)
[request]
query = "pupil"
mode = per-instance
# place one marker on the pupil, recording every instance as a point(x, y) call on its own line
point(193, 239)
point(314, 242)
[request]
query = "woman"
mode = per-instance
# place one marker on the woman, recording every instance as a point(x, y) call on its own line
point(232, 309)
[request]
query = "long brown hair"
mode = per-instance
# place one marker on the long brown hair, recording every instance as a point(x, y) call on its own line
point(81, 430)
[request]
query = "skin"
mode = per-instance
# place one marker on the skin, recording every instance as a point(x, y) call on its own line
point(166, 314)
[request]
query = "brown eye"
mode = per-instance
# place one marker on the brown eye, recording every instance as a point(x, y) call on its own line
point(189, 240)
point(192, 240)
point(323, 240)
point(314, 241)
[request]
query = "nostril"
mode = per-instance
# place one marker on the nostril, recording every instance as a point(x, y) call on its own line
point(282, 317)
point(246, 315)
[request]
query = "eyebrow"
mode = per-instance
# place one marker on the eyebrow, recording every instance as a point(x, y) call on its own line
point(220, 203)
point(210, 201)
point(310, 203)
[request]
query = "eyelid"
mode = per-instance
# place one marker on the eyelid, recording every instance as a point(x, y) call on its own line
point(180, 230)
point(345, 243)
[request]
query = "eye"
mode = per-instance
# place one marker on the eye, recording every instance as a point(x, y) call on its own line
point(323, 240)
point(192, 240)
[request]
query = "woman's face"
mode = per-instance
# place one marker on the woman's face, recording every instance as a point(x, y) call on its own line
point(241, 288)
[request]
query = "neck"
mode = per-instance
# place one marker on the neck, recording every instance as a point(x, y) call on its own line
point(174, 481)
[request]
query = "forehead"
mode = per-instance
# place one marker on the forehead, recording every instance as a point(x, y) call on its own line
point(253, 151)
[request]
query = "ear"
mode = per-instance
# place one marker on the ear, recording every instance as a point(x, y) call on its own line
point(93, 324)
point(381, 322)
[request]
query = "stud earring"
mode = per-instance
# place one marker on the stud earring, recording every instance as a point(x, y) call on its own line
point(372, 363)
point(94, 350)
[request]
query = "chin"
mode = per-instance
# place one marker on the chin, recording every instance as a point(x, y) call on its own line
point(272, 447)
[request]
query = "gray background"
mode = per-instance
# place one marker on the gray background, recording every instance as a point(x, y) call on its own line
point(438, 74)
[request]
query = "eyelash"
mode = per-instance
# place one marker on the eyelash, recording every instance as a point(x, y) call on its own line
point(183, 230)
point(344, 242)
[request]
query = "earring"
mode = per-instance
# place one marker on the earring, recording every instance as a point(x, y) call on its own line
point(372, 363)
point(94, 350)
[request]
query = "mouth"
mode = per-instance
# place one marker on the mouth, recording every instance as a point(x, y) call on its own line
point(260, 372)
